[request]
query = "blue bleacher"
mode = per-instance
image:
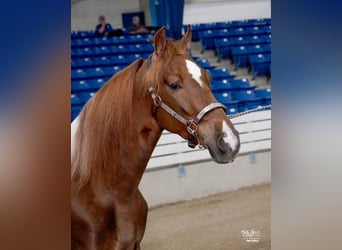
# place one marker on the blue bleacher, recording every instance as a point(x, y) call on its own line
point(260, 64)
point(94, 60)
point(220, 85)
point(220, 73)
point(248, 100)
point(204, 64)
point(265, 94)
point(80, 85)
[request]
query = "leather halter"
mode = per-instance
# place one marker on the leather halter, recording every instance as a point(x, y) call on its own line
point(192, 124)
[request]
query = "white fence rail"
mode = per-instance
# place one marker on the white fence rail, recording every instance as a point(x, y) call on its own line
point(255, 135)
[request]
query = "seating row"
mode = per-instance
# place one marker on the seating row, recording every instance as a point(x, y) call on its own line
point(111, 50)
point(99, 67)
point(102, 61)
point(104, 41)
point(196, 28)
point(224, 46)
point(235, 100)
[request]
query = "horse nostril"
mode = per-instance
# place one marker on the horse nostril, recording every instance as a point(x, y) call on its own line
point(222, 145)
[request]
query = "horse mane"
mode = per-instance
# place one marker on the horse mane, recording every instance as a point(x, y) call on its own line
point(104, 124)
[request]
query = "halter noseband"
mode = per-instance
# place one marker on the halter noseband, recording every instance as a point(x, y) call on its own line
point(192, 124)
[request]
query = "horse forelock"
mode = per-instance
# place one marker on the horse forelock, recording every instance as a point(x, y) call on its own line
point(104, 126)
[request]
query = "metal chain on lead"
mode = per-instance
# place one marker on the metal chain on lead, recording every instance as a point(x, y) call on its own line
point(248, 111)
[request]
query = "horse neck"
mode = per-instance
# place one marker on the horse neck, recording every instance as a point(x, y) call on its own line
point(143, 137)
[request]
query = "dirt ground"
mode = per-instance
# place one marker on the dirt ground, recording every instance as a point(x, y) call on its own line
point(213, 222)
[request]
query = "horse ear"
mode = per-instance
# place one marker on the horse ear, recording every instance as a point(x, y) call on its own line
point(186, 39)
point(159, 41)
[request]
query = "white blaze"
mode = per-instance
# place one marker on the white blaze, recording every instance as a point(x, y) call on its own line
point(74, 127)
point(229, 136)
point(195, 71)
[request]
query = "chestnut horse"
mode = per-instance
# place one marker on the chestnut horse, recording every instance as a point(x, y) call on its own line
point(117, 130)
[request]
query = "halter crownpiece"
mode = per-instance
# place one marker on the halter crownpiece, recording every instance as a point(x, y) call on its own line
point(192, 124)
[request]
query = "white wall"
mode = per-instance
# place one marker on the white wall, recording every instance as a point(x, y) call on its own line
point(84, 13)
point(226, 11)
point(205, 178)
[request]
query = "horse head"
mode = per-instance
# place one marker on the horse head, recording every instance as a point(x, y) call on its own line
point(183, 101)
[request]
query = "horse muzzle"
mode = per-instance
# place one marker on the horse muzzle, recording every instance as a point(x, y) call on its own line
point(220, 150)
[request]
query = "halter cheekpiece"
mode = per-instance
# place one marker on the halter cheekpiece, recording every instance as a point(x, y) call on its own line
point(192, 124)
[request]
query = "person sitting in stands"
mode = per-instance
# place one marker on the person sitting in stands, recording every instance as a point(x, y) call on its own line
point(137, 28)
point(103, 28)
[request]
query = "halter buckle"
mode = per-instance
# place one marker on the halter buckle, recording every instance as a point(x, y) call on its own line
point(155, 97)
point(192, 128)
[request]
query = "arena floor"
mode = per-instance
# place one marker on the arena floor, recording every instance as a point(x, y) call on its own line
point(213, 222)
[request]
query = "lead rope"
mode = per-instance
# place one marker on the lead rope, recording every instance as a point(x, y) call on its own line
point(248, 111)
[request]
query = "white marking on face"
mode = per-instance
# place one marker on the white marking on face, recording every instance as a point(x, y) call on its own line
point(195, 71)
point(74, 127)
point(229, 136)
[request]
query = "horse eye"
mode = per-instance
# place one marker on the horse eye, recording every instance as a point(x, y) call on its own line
point(175, 86)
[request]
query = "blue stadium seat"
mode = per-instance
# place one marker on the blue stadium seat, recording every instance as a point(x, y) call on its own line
point(78, 74)
point(240, 56)
point(132, 58)
point(79, 85)
point(207, 40)
point(119, 60)
point(241, 84)
point(75, 100)
point(138, 39)
point(266, 29)
point(102, 51)
point(265, 94)
point(225, 97)
point(96, 72)
point(220, 73)
point(239, 31)
point(255, 30)
point(239, 23)
point(220, 85)
point(85, 62)
point(82, 34)
point(224, 25)
point(238, 41)
point(260, 64)
point(247, 100)
point(95, 84)
point(265, 38)
point(223, 48)
point(260, 48)
point(85, 42)
point(85, 52)
point(223, 33)
point(204, 64)
point(112, 70)
point(102, 61)
point(74, 63)
point(118, 50)
point(85, 96)
point(228, 100)
point(121, 40)
point(255, 39)
point(102, 41)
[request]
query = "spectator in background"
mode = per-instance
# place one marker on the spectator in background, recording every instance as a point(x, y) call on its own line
point(137, 28)
point(103, 28)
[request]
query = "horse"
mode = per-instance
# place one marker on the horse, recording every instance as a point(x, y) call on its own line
point(115, 133)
